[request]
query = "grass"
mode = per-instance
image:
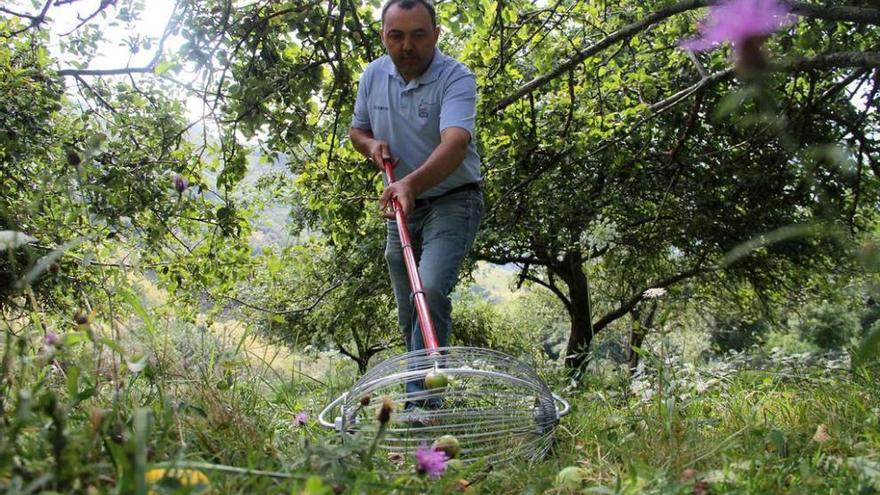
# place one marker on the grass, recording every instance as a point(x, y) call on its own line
point(94, 414)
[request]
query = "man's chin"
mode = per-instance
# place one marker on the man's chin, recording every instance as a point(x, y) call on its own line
point(410, 70)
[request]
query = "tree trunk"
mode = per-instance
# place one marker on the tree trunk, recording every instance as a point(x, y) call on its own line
point(580, 311)
point(638, 331)
point(636, 337)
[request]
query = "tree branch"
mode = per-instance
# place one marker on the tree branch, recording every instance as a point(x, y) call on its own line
point(36, 20)
point(304, 309)
point(858, 15)
point(847, 14)
point(16, 14)
point(503, 260)
point(625, 308)
point(624, 33)
point(552, 288)
point(148, 69)
point(106, 72)
point(104, 4)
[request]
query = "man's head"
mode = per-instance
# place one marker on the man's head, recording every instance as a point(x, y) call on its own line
point(410, 33)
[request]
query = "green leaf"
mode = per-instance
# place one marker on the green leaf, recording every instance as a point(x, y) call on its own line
point(73, 338)
point(163, 67)
point(140, 310)
point(73, 381)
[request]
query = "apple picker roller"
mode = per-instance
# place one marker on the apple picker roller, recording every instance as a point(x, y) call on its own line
point(495, 406)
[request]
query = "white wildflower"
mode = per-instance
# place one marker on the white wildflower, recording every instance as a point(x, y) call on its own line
point(654, 293)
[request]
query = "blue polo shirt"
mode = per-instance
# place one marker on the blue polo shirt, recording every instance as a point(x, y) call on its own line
point(411, 116)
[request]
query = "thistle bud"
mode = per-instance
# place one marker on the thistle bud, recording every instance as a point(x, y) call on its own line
point(384, 414)
point(365, 400)
point(51, 338)
point(180, 184)
point(73, 158)
point(750, 58)
point(54, 268)
point(82, 321)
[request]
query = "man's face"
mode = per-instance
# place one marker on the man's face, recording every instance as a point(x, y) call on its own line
point(409, 38)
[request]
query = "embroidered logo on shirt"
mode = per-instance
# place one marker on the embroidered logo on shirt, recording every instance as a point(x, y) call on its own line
point(424, 108)
point(380, 107)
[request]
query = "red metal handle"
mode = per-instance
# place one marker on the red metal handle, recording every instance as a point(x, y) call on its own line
point(429, 335)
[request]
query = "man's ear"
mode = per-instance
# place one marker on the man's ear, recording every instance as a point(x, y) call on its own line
point(436, 33)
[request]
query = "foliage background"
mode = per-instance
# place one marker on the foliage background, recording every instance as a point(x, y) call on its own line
point(614, 163)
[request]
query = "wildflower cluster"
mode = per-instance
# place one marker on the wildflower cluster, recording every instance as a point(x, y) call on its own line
point(430, 461)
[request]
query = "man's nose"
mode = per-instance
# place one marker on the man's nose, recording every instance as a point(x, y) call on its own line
point(407, 43)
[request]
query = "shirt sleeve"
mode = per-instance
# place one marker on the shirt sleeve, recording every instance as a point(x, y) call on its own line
point(360, 118)
point(458, 107)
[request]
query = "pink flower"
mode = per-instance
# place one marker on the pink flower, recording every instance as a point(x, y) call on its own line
point(741, 22)
point(301, 418)
point(51, 338)
point(430, 461)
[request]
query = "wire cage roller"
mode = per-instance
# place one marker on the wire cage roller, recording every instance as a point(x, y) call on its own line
point(496, 406)
point(492, 405)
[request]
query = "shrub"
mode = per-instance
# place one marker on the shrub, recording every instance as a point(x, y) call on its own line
point(829, 326)
point(735, 334)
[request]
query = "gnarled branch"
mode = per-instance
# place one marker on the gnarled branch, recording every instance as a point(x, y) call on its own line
point(860, 15)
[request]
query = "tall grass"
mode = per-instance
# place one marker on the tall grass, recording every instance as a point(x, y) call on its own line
point(115, 398)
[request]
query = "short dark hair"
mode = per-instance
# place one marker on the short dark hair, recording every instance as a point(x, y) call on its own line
point(409, 4)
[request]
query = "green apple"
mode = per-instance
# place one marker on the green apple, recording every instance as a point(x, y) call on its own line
point(448, 444)
point(570, 478)
point(435, 379)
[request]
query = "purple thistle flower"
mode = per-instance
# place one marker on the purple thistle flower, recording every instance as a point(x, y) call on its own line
point(742, 22)
point(430, 461)
point(301, 418)
point(51, 339)
point(180, 183)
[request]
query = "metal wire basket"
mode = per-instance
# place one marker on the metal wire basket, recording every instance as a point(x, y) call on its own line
point(492, 406)
point(496, 406)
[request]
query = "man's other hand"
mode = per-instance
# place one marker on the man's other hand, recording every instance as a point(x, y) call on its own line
point(404, 194)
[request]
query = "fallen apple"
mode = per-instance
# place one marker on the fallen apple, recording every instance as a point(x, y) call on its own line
point(448, 444)
point(435, 379)
point(570, 478)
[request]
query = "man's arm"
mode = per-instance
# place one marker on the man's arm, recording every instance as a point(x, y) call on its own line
point(445, 158)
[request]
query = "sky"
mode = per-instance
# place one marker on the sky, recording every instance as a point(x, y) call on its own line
point(112, 52)
point(64, 18)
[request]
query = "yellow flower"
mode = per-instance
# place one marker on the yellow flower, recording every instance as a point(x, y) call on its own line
point(189, 478)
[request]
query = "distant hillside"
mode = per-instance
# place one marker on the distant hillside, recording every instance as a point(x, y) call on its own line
point(493, 282)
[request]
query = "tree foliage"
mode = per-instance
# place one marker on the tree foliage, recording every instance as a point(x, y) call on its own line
point(614, 162)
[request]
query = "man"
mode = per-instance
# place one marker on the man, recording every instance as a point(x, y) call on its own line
point(417, 107)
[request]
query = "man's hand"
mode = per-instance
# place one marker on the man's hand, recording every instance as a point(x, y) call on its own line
point(404, 194)
point(379, 152)
point(374, 149)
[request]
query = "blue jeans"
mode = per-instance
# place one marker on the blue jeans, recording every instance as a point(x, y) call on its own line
point(442, 233)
